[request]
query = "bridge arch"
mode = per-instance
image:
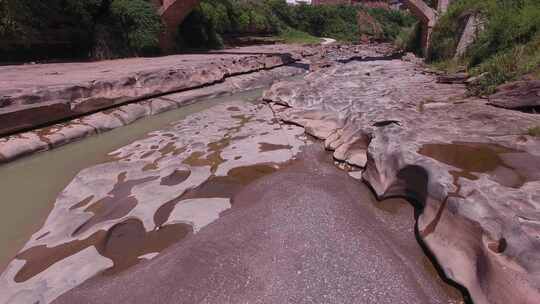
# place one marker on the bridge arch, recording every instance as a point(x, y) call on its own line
point(173, 12)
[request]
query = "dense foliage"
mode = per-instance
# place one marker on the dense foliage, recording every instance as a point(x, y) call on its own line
point(71, 28)
point(26, 26)
point(215, 19)
point(43, 29)
point(139, 24)
point(507, 48)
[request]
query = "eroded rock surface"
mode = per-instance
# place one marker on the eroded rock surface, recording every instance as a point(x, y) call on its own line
point(156, 191)
point(321, 240)
point(466, 164)
point(32, 95)
point(524, 94)
point(15, 146)
point(259, 63)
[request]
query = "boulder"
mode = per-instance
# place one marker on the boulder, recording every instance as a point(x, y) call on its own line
point(517, 95)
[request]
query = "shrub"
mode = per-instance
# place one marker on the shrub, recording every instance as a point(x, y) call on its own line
point(139, 24)
point(335, 21)
point(39, 29)
point(392, 21)
point(291, 35)
point(508, 65)
point(9, 25)
point(506, 49)
point(409, 39)
point(35, 29)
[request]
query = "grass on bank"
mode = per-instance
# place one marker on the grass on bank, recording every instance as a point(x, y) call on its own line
point(295, 36)
point(534, 131)
point(508, 65)
point(507, 49)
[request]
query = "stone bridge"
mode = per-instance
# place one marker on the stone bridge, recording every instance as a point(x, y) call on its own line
point(428, 17)
point(173, 12)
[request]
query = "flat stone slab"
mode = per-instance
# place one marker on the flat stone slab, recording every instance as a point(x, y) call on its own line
point(469, 167)
point(34, 95)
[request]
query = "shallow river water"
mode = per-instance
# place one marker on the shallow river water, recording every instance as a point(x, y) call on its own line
point(30, 185)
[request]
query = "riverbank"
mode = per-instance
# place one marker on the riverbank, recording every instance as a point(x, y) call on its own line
point(233, 200)
point(130, 96)
point(470, 167)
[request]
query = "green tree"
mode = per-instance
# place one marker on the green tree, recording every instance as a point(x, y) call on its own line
point(139, 23)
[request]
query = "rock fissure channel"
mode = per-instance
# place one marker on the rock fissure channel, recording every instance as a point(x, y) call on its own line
point(352, 176)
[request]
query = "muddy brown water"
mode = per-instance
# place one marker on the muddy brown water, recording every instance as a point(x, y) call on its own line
point(29, 186)
point(124, 244)
point(508, 167)
point(395, 217)
point(218, 186)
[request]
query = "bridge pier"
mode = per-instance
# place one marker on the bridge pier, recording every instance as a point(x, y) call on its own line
point(428, 18)
point(172, 14)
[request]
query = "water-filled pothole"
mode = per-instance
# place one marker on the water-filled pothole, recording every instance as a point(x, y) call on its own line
point(508, 167)
point(123, 243)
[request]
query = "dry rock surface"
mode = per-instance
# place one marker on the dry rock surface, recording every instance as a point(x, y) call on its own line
point(34, 95)
point(228, 205)
point(234, 204)
point(43, 139)
point(467, 165)
point(524, 94)
point(321, 240)
point(152, 194)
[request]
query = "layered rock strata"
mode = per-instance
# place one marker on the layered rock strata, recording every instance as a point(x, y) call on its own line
point(468, 166)
point(15, 146)
point(519, 95)
point(35, 95)
point(260, 66)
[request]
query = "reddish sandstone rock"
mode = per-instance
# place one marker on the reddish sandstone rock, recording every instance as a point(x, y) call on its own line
point(465, 164)
point(519, 94)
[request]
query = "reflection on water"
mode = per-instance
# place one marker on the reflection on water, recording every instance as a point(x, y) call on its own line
point(508, 167)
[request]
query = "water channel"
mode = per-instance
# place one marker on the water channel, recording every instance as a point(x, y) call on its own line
point(30, 185)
